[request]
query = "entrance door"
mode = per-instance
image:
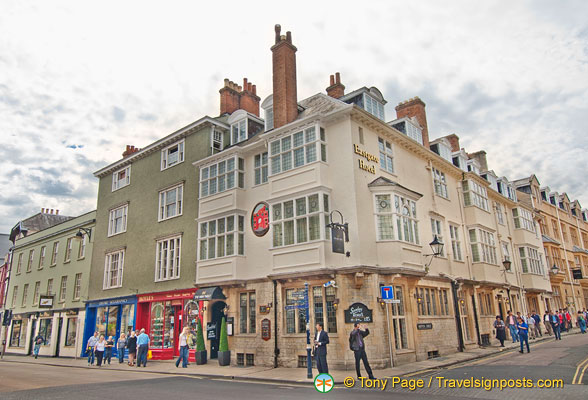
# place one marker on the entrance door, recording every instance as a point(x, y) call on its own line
point(501, 308)
point(32, 339)
point(58, 341)
point(216, 317)
point(177, 329)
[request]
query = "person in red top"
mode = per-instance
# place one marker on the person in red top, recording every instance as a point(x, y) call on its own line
point(568, 319)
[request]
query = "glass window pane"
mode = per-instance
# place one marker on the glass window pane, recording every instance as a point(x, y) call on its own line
point(288, 209)
point(288, 232)
point(314, 227)
point(298, 139)
point(311, 153)
point(301, 206)
point(313, 203)
point(301, 230)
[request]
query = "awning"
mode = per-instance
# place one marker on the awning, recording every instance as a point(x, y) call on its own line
point(209, 293)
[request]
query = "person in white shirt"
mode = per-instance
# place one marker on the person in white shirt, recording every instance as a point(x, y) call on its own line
point(183, 345)
point(100, 346)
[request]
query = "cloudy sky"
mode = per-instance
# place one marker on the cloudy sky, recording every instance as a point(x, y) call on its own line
point(80, 80)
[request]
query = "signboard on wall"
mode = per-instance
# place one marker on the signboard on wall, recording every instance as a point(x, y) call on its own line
point(260, 219)
point(424, 326)
point(230, 324)
point(358, 312)
point(45, 301)
point(266, 329)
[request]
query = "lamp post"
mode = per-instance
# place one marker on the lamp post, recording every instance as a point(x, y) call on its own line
point(554, 269)
point(437, 248)
point(80, 234)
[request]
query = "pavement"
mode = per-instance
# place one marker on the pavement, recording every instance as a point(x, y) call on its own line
point(212, 370)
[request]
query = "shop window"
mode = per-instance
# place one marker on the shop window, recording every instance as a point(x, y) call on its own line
point(70, 333)
point(167, 259)
point(45, 327)
point(162, 325)
point(396, 221)
point(172, 155)
point(101, 320)
point(112, 321)
point(219, 237)
point(399, 320)
point(191, 314)
point(300, 220)
point(247, 320)
point(170, 202)
point(18, 335)
point(127, 318)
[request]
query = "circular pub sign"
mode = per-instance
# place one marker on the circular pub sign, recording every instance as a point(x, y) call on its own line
point(260, 219)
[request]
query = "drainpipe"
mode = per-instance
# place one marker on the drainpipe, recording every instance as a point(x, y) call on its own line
point(460, 343)
point(276, 349)
point(566, 258)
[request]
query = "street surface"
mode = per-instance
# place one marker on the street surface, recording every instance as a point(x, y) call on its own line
point(547, 360)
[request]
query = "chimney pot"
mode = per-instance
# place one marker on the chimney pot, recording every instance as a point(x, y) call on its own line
point(245, 83)
point(332, 80)
point(415, 107)
point(336, 89)
point(278, 28)
point(289, 37)
point(337, 77)
point(249, 86)
point(42, 210)
point(254, 89)
point(51, 211)
point(56, 212)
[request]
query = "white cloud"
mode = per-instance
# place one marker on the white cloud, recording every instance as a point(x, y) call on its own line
point(510, 79)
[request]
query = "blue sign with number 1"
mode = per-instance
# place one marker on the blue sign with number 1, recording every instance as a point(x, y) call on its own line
point(387, 293)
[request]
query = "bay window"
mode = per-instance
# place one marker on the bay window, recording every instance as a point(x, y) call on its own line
point(397, 221)
point(483, 246)
point(475, 194)
point(300, 148)
point(222, 176)
point(531, 261)
point(222, 237)
point(300, 220)
point(523, 219)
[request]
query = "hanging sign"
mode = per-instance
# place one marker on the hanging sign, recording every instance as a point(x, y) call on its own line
point(577, 273)
point(260, 219)
point(337, 240)
point(358, 312)
point(266, 329)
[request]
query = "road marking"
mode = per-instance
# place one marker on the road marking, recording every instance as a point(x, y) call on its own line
point(419, 372)
point(584, 364)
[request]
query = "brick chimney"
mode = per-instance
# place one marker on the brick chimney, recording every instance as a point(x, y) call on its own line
point(454, 141)
point(415, 107)
point(336, 89)
point(248, 100)
point(130, 150)
point(480, 156)
point(284, 79)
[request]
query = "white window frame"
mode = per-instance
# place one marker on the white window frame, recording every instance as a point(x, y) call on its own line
point(216, 141)
point(499, 213)
point(413, 132)
point(36, 293)
point(239, 135)
point(14, 296)
point(117, 181)
point(440, 183)
point(82, 247)
point(260, 168)
point(208, 240)
point(168, 258)
point(63, 289)
point(165, 153)
point(483, 246)
point(224, 175)
point(111, 267)
point(386, 155)
point(30, 260)
point(531, 261)
point(455, 242)
point(299, 219)
point(373, 106)
point(54, 253)
point(163, 211)
point(42, 254)
point(19, 263)
point(404, 217)
point(77, 286)
point(269, 118)
point(68, 248)
point(523, 219)
point(475, 194)
point(437, 229)
point(307, 145)
point(25, 294)
point(50, 286)
point(112, 218)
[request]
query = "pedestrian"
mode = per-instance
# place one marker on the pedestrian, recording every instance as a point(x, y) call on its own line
point(143, 348)
point(511, 322)
point(357, 344)
point(562, 325)
point(581, 322)
point(132, 346)
point(100, 347)
point(500, 330)
point(320, 349)
point(121, 345)
point(183, 347)
point(108, 350)
point(568, 318)
point(536, 324)
point(530, 323)
point(547, 323)
point(90, 348)
point(523, 333)
point(554, 320)
point(39, 341)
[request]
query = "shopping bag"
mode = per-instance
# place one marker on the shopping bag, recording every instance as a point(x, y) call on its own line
point(149, 355)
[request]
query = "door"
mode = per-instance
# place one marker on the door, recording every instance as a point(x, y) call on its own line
point(178, 329)
point(31, 340)
point(58, 340)
point(218, 312)
point(500, 308)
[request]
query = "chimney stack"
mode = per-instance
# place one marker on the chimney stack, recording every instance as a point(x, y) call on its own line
point(284, 79)
point(415, 107)
point(336, 89)
point(454, 141)
point(480, 156)
point(234, 97)
point(130, 150)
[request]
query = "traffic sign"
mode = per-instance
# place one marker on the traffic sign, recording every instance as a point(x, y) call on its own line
point(392, 301)
point(386, 293)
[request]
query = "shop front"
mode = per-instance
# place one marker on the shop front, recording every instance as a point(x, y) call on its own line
point(164, 315)
point(110, 317)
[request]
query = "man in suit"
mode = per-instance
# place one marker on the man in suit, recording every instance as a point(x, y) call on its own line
point(357, 344)
point(321, 341)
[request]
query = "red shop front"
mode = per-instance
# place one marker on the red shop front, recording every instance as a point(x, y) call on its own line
point(164, 315)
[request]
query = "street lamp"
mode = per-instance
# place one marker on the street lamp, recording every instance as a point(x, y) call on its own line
point(554, 269)
point(507, 263)
point(437, 248)
point(80, 234)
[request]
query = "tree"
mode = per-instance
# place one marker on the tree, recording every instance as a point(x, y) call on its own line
point(224, 341)
point(199, 338)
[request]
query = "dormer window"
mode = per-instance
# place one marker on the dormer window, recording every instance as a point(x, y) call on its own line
point(172, 155)
point(239, 131)
point(370, 100)
point(268, 111)
point(552, 199)
point(243, 126)
point(543, 195)
point(217, 141)
point(473, 167)
point(442, 148)
point(373, 106)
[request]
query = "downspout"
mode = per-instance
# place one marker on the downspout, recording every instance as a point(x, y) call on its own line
point(518, 271)
point(276, 349)
point(460, 343)
point(566, 256)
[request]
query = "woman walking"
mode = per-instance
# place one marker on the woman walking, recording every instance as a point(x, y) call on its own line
point(108, 350)
point(500, 330)
point(100, 346)
point(523, 334)
point(132, 346)
point(581, 322)
point(121, 345)
point(183, 348)
point(39, 340)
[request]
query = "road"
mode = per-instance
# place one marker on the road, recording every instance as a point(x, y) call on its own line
point(557, 360)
